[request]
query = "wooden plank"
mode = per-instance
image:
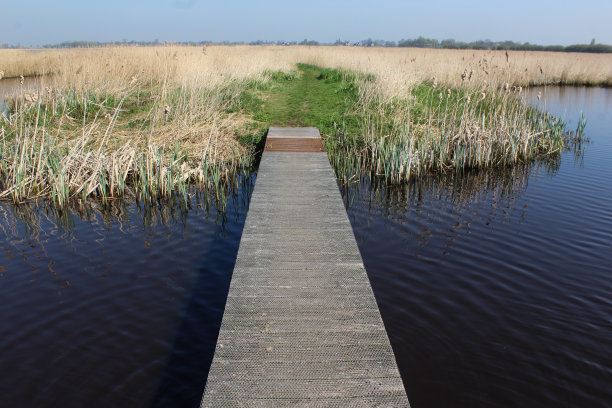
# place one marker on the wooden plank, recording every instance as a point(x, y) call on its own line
point(292, 144)
point(299, 133)
point(301, 326)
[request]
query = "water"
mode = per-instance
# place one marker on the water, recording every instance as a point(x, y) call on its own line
point(9, 87)
point(496, 287)
point(114, 309)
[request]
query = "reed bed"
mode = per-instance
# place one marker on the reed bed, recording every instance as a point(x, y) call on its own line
point(36, 166)
point(148, 122)
point(444, 130)
point(124, 121)
point(396, 69)
point(66, 145)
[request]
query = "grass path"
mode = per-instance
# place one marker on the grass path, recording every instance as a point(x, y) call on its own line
point(316, 97)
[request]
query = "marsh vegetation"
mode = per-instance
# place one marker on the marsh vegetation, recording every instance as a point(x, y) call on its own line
point(151, 123)
point(499, 271)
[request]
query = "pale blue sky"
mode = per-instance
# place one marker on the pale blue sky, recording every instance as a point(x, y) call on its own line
point(38, 22)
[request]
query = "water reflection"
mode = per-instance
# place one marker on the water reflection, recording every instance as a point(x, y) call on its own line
point(9, 87)
point(569, 102)
point(494, 285)
point(37, 218)
point(110, 305)
point(457, 191)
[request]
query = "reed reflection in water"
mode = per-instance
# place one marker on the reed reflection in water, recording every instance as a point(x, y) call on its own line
point(495, 286)
point(114, 306)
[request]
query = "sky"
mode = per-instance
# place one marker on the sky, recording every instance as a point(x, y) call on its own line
point(40, 22)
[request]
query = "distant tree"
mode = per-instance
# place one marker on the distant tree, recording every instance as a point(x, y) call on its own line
point(421, 42)
point(448, 43)
point(595, 48)
point(367, 43)
point(593, 41)
point(377, 43)
point(306, 41)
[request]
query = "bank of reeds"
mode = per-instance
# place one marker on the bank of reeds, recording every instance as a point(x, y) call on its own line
point(437, 130)
point(147, 142)
point(147, 122)
point(396, 69)
point(111, 122)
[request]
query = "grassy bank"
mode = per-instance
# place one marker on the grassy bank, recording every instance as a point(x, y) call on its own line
point(308, 96)
point(147, 140)
point(151, 122)
point(433, 129)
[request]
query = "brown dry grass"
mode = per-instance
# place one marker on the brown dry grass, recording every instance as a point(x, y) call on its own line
point(194, 90)
point(395, 68)
point(196, 72)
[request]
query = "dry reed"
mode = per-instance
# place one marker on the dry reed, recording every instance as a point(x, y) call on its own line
point(395, 68)
point(73, 137)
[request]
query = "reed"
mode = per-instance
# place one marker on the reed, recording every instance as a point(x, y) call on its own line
point(396, 69)
point(67, 145)
point(105, 123)
point(149, 122)
point(438, 130)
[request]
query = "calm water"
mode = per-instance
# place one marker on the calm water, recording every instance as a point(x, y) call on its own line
point(114, 310)
point(10, 87)
point(496, 287)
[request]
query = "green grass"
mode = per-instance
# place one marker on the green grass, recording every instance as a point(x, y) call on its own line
point(312, 96)
point(430, 130)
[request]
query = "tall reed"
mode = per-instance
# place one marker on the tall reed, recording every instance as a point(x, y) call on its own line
point(118, 121)
point(439, 130)
point(66, 144)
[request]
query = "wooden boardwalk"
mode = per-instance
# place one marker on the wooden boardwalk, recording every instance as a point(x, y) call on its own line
point(301, 326)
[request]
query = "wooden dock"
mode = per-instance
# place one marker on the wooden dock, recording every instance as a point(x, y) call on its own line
point(301, 326)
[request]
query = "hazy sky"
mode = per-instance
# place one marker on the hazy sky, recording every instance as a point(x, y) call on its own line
point(38, 22)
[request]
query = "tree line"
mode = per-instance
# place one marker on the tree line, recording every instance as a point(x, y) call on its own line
point(420, 42)
point(423, 42)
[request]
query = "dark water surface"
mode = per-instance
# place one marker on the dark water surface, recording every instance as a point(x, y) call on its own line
point(121, 310)
point(496, 287)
